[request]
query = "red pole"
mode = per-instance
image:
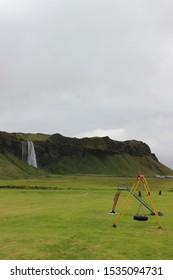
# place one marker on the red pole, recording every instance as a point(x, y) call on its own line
point(115, 201)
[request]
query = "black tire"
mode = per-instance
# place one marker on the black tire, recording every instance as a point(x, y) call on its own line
point(140, 218)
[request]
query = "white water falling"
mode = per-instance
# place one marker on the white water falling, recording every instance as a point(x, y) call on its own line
point(28, 153)
point(31, 154)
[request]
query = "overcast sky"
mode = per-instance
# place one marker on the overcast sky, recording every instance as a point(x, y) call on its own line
point(89, 68)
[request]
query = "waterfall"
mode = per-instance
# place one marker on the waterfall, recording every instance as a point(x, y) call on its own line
point(28, 153)
point(31, 154)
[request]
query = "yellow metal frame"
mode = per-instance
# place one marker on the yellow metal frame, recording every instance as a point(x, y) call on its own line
point(139, 180)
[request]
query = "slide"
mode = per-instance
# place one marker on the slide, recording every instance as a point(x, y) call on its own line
point(141, 200)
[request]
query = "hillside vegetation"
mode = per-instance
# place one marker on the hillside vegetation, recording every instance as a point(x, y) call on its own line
point(11, 167)
point(64, 155)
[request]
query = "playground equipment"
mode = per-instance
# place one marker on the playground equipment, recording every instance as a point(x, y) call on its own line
point(115, 201)
point(138, 184)
point(138, 197)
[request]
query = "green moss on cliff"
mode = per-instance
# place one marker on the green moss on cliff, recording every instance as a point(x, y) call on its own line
point(11, 167)
point(64, 155)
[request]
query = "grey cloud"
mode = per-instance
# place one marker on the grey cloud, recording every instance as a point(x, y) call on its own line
point(94, 66)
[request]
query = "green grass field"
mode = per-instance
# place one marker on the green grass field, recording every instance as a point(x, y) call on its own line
point(66, 217)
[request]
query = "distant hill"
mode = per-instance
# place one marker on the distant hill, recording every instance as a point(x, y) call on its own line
point(65, 155)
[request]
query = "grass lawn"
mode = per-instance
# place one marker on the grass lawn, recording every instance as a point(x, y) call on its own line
point(71, 220)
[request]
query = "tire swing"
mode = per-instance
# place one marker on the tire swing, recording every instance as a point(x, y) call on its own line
point(140, 217)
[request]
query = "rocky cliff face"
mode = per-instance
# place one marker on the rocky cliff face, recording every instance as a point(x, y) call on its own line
point(10, 143)
point(57, 146)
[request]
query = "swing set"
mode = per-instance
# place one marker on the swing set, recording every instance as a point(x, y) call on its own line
point(140, 215)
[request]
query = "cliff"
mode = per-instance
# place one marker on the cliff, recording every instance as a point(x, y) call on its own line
point(100, 155)
point(58, 146)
